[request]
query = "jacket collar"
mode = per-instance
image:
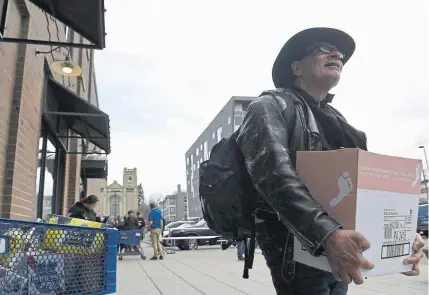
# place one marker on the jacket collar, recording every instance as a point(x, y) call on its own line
point(328, 99)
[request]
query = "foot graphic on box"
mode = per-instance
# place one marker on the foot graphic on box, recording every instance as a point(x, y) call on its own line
point(417, 179)
point(345, 187)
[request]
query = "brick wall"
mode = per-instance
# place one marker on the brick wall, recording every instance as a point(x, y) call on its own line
point(21, 85)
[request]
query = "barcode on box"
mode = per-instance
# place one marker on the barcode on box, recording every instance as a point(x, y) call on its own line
point(397, 250)
point(388, 233)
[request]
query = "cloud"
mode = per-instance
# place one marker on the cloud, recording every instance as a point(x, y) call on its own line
point(170, 66)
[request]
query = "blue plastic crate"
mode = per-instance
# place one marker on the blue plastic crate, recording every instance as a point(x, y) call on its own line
point(41, 258)
point(130, 237)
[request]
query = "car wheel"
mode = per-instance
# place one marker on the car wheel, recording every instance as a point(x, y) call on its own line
point(191, 244)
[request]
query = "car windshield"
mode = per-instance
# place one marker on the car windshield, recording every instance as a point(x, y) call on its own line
point(202, 222)
point(423, 210)
point(173, 225)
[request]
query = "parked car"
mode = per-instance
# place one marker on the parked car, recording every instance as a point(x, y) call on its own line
point(173, 225)
point(195, 219)
point(422, 219)
point(200, 229)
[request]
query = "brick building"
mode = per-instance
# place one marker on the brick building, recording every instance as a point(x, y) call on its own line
point(49, 123)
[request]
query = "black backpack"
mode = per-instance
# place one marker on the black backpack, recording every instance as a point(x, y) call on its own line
point(228, 197)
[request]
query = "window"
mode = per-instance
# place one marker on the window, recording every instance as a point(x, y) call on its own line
point(172, 201)
point(67, 33)
point(49, 175)
point(206, 151)
point(229, 120)
point(172, 210)
point(219, 133)
point(213, 135)
point(187, 160)
point(423, 211)
point(201, 147)
point(196, 152)
point(115, 203)
point(130, 181)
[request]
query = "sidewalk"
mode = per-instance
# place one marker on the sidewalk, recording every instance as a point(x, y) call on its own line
point(212, 271)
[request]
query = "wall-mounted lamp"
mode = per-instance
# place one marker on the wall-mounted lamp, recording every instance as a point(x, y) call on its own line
point(63, 67)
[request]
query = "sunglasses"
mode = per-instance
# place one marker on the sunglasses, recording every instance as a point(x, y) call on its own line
point(323, 49)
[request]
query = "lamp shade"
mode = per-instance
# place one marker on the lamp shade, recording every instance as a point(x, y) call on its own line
point(66, 68)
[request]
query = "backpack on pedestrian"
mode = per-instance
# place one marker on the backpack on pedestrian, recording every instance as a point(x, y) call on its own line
point(228, 196)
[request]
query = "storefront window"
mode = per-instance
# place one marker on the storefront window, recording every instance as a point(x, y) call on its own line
point(48, 181)
point(50, 176)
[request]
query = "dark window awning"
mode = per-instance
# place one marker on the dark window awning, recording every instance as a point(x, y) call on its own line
point(81, 116)
point(93, 166)
point(86, 17)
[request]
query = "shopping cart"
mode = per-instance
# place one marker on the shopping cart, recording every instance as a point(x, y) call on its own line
point(132, 240)
point(40, 258)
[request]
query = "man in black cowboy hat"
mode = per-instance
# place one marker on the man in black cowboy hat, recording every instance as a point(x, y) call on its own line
point(297, 116)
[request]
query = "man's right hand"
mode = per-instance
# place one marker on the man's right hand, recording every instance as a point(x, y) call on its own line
point(344, 249)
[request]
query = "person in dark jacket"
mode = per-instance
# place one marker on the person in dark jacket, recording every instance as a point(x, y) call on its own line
point(142, 222)
point(308, 66)
point(85, 209)
point(131, 222)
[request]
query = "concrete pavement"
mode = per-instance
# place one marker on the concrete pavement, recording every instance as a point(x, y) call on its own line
point(212, 271)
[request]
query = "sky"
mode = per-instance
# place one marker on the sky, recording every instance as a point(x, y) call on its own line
point(170, 66)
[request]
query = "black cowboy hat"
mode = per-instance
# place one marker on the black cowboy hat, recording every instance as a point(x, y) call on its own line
point(294, 49)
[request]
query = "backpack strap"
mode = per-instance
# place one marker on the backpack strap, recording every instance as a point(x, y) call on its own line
point(249, 254)
point(287, 108)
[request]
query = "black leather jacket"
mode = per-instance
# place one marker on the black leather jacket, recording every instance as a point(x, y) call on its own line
point(270, 153)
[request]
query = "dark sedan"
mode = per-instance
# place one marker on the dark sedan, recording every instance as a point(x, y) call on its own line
point(198, 230)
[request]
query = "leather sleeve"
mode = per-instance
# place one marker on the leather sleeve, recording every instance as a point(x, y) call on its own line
point(263, 140)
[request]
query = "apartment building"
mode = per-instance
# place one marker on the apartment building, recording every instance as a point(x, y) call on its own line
point(223, 125)
point(173, 206)
point(53, 137)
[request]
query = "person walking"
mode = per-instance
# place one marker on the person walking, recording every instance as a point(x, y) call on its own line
point(296, 116)
point(156, 224)
point(241, 248)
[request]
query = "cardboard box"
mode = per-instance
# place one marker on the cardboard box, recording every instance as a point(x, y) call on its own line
point(374, 194)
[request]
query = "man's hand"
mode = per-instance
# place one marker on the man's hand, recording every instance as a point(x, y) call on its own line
point(344, 250)
point(416, 257)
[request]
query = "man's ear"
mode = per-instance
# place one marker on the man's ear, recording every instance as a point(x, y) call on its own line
point(296, 70)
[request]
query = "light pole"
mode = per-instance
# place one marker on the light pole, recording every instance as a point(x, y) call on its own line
point(426, 157)
point(423, 170)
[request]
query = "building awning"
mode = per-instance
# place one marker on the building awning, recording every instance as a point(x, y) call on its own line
point(93, 166)
point(85, 17)
point(81, 116)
